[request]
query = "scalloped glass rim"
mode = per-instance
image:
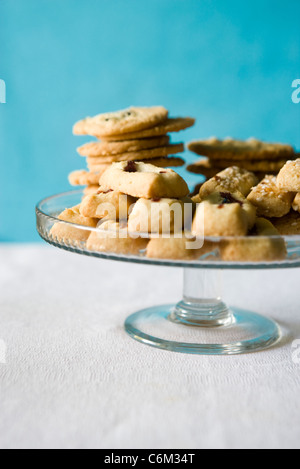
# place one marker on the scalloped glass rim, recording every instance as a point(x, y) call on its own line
point(76, 195)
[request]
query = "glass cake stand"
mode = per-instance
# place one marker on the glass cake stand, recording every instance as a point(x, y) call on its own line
point(199, 324)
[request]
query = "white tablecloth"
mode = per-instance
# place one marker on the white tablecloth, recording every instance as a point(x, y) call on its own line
point(74, 379)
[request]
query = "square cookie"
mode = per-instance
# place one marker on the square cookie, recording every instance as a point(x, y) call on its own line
point(160, 215)
point(65, 232)
point(108, 204)
point(114, 237)
point(143, 180)
point(269, 199)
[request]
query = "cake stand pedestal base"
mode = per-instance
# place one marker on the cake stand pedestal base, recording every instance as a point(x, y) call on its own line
point(202, 323)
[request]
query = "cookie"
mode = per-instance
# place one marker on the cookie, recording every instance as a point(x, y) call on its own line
point(265, 245)
point(108, 204)
point(85, 178)
point(288, 225)
point(166, 162)
point(209, 169)
point(102, 148)
point(113, 237)
point(203, 167)
point(231, 180)
point(92, 189)
point(223, 214)
point(196, 199)
point(170, 125)
point(264, 166)
point(160, 216)
point(143, 180)
point(296, 203)
point(66, 233)
point(118, 123)
point(240, 150)
point(177, 248)
point(289, 177)
point(138, 155)
point(196, 190)
point(269, 200)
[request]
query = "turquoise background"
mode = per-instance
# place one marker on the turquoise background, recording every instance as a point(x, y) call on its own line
point(230, 64)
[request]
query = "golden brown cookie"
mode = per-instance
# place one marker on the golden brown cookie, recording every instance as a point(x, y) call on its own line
point(289, 177)
point(204, 167)
point(65, 232)
point(296, 203)
point(210, 168)
point(269, 200)
point(144, 180)
point(92, 189)
point(288, 225)
point(160, 216)
point(196, 190)
point(113, 237)
point(85, 178)
point(240, 150)
point(139, 155)
point(170, 125)
point(233, 179)
point(118, 123)
point(108, 204)
point(223, 214)
point(181, 248)
point(166, 162)
point(102, 148)
point(262, 166)
point(265, 245)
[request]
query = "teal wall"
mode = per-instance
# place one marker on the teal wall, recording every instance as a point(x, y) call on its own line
point(230, 64)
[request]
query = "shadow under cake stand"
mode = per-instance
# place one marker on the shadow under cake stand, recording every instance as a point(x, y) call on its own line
point(199, 324)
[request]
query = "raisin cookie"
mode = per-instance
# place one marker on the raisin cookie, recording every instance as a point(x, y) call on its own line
point(223, 214)
point(231, 180)
point(108, 204)
point(144, 180)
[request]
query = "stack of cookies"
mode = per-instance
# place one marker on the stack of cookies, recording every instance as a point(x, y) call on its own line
point(253, 155)
point(278, 198)
point(136, 202)
point(134, 134)
point(228, 209)
point(144, 198)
